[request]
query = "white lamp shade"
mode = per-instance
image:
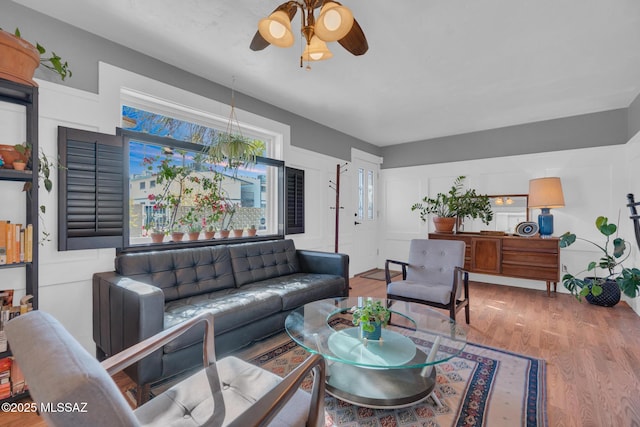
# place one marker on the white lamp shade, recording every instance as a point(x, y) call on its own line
point(334, 22)
point(546, 193)
point(316, 50)
point(276, 29)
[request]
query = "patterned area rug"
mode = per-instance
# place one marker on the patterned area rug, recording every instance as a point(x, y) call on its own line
point(482, 387)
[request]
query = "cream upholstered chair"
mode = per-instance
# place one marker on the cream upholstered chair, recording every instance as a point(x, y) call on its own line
point(226, 392)
point(433, 276)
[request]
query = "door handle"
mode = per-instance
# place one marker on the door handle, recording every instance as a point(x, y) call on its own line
point(356, 223)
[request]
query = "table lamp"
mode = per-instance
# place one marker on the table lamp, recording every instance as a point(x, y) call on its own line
point(545, 193)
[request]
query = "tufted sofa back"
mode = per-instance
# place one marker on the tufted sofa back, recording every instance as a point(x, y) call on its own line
point(180, 273)
point(253, 262)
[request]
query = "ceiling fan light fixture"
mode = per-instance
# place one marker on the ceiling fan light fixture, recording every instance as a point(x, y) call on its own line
point(335, 22)
point(316, 50)
point(276, 29)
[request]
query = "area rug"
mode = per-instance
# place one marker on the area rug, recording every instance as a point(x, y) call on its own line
point(378, 274)
point(483, 386)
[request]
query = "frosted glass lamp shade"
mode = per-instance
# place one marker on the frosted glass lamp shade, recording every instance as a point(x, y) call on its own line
point(276, 29)
point(546, 193)
point(316, 50)
point(334, 22)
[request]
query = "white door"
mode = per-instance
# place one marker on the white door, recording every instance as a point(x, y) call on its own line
point(365, 217)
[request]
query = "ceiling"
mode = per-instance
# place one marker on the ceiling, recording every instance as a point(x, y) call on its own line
point(434, 67)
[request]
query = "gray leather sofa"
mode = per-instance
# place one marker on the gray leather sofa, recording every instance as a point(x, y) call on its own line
point(250, 288)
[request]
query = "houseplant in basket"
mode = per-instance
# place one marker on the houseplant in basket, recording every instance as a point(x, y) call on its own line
point(371, 317)
point(452, 208)
point(609, 276)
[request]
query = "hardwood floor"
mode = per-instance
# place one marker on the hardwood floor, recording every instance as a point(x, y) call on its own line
point(592, 353)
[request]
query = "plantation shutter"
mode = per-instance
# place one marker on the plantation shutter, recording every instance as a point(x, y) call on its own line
point(91, 198)
point(295, 201)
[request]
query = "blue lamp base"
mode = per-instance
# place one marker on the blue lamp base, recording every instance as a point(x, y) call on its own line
point(545, 223)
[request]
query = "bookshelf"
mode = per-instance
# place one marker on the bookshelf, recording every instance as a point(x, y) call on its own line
point(27, 97)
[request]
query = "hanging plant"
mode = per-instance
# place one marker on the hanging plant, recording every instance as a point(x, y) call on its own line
point(231, 147)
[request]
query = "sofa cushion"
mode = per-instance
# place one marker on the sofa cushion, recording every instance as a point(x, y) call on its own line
point(253, 262)
point(180, 273)
point(298, 289)
point(231, 308)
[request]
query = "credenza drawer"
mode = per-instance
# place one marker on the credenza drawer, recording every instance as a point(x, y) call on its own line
point(531, 245)
point(530, 272)
point(540, 259)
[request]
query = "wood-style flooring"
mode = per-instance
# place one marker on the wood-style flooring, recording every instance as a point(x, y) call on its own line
point(592, 353)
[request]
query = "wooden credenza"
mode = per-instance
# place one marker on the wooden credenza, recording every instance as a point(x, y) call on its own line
point(511, 256)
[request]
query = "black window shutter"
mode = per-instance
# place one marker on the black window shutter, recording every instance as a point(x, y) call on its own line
point(295, 201)
point(91, 198)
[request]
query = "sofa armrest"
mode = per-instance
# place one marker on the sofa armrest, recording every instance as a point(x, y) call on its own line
point(325, 263)
point(125, 312)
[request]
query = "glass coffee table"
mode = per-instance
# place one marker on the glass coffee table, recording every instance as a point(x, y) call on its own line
point(395, 371)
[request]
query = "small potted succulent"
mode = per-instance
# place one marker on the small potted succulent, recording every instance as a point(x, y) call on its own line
point(237, 232)
point(251, 231)
point(210, 232)
point(19, 165)
point(224, 233)
point(609, 276)
point(371, 317)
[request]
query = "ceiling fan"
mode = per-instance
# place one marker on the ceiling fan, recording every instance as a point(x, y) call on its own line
point(334, 23)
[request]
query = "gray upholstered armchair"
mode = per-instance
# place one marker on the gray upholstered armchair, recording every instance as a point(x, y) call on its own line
point(433, 276)
point(229, 391)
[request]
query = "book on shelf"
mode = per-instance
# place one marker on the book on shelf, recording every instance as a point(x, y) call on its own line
point(11, 231)
point(8, 311)
point(3, 241)
point(28, 243)
point(16, 243)
point(18, 382)
point(5, 372)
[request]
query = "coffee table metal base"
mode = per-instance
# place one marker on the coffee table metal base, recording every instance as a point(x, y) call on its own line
point(379, 388)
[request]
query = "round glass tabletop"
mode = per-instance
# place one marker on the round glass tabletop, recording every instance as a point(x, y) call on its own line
point(416, 336)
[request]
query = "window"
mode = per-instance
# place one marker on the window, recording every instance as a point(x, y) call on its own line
point(113, 191)
point(366, 191)
point(186, 191)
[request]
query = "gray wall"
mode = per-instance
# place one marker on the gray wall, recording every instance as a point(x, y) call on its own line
point(84, 50)
point(634, 117)
point(588, 130)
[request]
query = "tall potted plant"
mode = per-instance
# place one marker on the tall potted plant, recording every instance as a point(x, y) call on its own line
point(454, 206)
point(609, 276)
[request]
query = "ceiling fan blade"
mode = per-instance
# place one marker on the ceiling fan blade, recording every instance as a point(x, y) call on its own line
point(355, 41)
point(258, 42)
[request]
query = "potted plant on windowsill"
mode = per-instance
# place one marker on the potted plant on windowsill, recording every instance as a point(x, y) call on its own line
point(372, 317)
point(237, 232)
point(453, 207)
point(603, 288)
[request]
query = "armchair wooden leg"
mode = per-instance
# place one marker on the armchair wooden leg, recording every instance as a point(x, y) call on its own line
point(466, 313)
point(143, 393)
